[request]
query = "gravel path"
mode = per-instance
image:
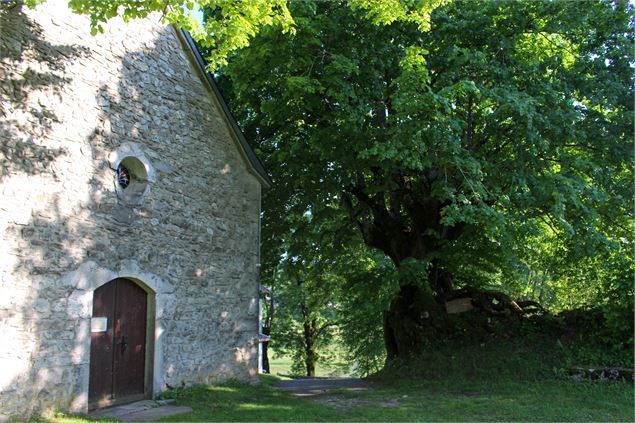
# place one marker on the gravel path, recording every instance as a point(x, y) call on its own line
point(306, 387)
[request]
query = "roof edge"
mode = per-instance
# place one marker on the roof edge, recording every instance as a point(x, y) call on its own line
point(255, 163)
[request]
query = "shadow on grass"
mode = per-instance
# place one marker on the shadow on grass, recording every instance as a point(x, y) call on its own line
point(235, 401)
point(451, 399)
point(489, 383)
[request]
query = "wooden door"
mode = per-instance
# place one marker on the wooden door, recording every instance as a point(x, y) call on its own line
point(118, 343)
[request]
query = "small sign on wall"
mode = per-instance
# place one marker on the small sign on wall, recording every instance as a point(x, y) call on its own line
point(99, 324)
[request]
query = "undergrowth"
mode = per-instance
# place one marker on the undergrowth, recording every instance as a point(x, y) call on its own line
point(536, 350)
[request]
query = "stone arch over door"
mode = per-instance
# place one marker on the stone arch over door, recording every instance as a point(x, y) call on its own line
point(88, 278)
point(122, 343)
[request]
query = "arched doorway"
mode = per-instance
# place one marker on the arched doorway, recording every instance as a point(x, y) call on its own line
point(118, 344)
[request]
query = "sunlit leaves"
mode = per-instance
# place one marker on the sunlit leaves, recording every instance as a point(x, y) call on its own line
point(385, 12)
point(232, 24)
point(100, 11)
point(33, 3)
point(554, 50)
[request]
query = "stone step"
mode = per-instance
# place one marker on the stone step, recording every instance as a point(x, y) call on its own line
point(146, 410)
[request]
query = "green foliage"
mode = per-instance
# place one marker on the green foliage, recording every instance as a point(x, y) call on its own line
point(385, 12)
point(100, 11)
point(371, 282)
point(498, 144)
point(230, 25)
point(594, 355)
point(33, 3)
point(305, 284)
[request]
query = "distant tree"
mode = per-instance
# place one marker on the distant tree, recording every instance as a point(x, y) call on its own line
point(306, 286)
point(305, 317)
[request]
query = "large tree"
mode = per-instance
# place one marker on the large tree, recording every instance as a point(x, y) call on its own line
point(453, 147)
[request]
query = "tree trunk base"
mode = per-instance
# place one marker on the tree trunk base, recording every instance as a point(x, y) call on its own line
point(415, 321)
point(413, 318)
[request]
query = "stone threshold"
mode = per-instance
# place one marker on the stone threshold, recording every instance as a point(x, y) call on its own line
point(140, 411)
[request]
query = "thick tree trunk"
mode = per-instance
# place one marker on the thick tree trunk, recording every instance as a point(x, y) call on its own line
point(404, 321)
point(406, 224)
point(440, 282)
point(416, 314)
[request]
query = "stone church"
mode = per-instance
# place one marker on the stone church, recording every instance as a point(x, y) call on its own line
point(129, 216)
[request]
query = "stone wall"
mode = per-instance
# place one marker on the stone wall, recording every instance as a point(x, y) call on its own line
point(71, 106)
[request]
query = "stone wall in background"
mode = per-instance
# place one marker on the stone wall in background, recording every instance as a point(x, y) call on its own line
point(71, 106)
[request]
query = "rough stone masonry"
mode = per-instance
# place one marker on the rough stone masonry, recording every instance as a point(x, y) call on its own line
point(73, 107)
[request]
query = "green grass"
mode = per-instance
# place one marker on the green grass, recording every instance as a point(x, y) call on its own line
point(509, 381)
point(509, 401)
point(450, 400)
point(281, 366)
point(416, 401)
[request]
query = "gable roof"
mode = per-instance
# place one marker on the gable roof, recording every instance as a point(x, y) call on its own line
point(256, 167)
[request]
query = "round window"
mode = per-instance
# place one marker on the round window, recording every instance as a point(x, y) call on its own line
point(131, 179)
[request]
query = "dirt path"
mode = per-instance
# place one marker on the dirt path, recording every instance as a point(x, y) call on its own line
point(307, 387)
point(321, 390)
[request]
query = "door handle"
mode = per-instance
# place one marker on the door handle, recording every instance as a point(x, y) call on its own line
point(124, 344)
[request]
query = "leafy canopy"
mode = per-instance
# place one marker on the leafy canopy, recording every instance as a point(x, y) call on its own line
point(497, 142)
